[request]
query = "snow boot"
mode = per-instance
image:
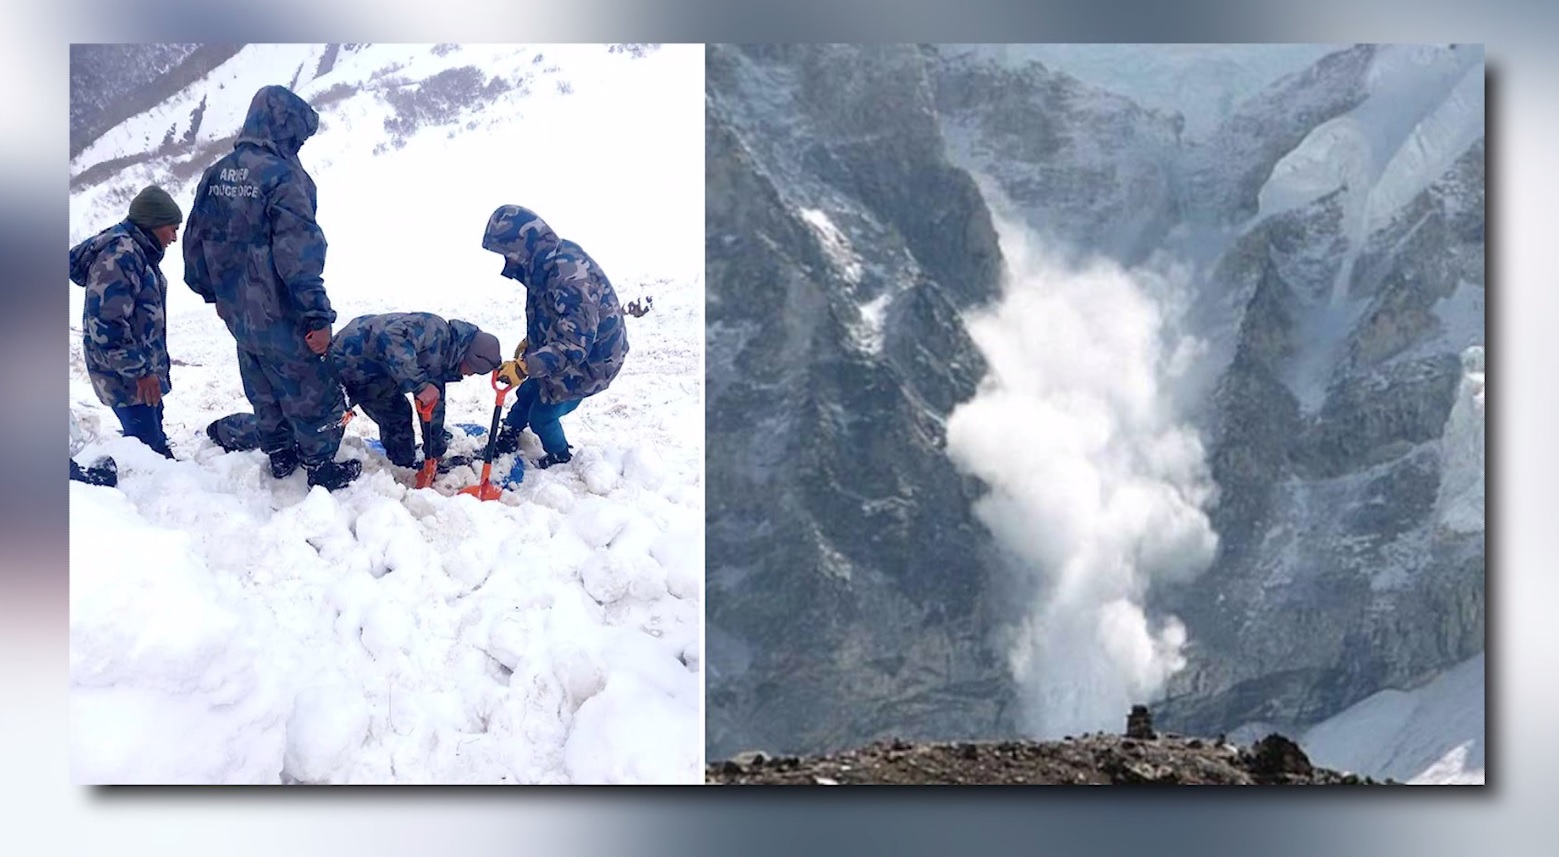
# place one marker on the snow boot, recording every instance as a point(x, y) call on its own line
point(507, 441)
point(552, 458)
point(334, 475)
point(102, 472)
point(284, 462)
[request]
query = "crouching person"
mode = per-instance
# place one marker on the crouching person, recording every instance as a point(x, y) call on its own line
point(380, 359)
point(575, 339)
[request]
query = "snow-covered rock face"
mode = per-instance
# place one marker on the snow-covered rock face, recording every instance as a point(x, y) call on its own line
point(228, 627)
point(849, 578)
point(1328, 237)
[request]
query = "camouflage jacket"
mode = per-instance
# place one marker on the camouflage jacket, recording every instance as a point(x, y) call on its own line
point(572, 318)
point(123, 325)
point(407, 349)
point(252, 246)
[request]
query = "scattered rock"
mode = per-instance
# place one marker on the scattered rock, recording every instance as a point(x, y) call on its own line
point(750, 759)
point(1095, 759)
point(1276, 756)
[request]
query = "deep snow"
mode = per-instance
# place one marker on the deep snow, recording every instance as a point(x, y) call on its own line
point(227, 627)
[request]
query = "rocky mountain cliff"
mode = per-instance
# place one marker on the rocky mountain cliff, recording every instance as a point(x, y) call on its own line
point(847, 577)
point(1332, 232)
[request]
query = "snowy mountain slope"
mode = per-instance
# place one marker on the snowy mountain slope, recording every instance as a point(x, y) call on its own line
point(1344, 451)
point(842, 551)
point(1203, 83)
point(382, 634)
point(1429, 735)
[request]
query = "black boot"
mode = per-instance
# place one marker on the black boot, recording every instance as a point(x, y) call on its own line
point(334, 475)
point(101, 472)
point(507, 441)
point(284, 462)
point(552, 458)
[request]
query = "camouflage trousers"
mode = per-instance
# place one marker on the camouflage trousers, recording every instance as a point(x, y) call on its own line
point(293, 398)
point(390, 409)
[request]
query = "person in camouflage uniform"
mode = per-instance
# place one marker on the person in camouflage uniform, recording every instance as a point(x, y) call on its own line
point(123, 324)
point(575, 339)
point(254, 249)
point(382, 358)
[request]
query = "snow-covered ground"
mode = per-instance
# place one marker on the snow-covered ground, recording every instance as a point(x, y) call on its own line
point(227, 627)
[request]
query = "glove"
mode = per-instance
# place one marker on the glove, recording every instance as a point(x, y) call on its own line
point(519, 350)
point(511, 372)
point(149, 390)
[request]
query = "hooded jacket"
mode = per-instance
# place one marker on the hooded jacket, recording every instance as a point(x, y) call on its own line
point(123, 323)
point(251, 245)
point(572, 318)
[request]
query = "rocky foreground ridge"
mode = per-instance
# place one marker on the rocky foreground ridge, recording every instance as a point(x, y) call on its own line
point(1141, 756)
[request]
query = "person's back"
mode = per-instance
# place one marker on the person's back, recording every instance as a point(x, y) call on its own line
point(253, 248)
point(569, 270)
point(408, 349)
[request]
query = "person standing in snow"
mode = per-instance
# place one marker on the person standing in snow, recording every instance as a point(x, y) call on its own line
point(124, 330)
point(575, 340)
point(254, 249)
point(382, 358)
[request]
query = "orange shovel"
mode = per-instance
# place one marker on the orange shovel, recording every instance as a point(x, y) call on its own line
point(429, 463)
point(486, 490)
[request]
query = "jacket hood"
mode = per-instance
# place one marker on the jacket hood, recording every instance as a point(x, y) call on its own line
point(522, 238)
point(279, 119)
point(83, 255)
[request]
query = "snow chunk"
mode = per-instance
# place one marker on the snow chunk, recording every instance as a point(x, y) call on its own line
point(597, 522)
point(327, 724)
point(643, 468)
point(388, 629)
point(600, 477)
point(659, 742)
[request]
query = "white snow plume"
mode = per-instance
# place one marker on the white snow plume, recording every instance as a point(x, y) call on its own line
point(1094, 484)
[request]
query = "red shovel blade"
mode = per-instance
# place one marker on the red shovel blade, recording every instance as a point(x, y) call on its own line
point(485, 490)
point(427, 474)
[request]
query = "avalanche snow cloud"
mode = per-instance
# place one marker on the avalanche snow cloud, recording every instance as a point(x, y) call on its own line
point(227, 627)
point(1094, 486)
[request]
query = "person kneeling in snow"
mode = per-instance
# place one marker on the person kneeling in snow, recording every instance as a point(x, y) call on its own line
point(575, 339)
point(381, 358)
point(124, 332)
